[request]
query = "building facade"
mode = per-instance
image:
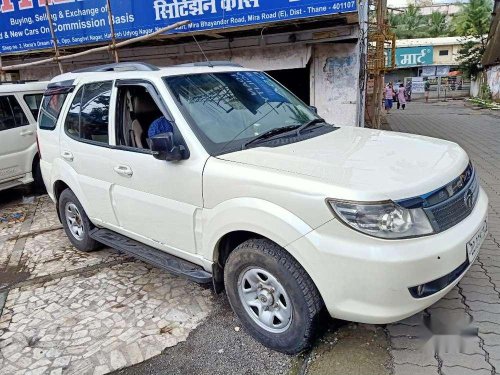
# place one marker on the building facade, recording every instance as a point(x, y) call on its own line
point(426, 57)
point(316, 50)
point(490, 78)
point(431, 59)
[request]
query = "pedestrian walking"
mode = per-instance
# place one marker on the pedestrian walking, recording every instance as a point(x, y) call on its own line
point(427, 89)
point(401, 96)
point(389, 97)
point(395, 98)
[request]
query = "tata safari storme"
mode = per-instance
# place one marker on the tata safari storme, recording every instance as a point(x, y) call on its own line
point(19, 160)
point(219, 174)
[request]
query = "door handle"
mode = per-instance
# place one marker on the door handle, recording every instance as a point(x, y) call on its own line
point(124, 170)
point(26, 132)
point(67, 155)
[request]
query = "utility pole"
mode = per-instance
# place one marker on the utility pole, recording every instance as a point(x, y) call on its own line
point(381, 58)
point(54, 39)
point(112, 29)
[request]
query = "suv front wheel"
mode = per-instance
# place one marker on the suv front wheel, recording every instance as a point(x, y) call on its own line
point(272, 295)
point(76, 222)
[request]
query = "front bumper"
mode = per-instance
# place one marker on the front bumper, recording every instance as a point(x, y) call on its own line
point(367, 280)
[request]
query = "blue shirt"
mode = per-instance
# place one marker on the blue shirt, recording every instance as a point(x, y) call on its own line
point(159, 126)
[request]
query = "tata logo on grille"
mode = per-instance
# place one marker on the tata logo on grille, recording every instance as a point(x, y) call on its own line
point(469, 199)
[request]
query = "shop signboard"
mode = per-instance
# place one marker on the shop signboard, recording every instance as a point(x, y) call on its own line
point(417, 85)
point(442, 70)
point(412, 56)
point(428, 71)
point(25, 26)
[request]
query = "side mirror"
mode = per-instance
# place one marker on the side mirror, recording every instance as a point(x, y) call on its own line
point(164, 147)
point(314, 109)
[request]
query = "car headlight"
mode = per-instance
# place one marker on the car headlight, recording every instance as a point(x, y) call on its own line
point(383, 220)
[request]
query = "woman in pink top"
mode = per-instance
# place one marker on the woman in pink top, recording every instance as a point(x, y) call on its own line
point(401, 96)
point(389, 97)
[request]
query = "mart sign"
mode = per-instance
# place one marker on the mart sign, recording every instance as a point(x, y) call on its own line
point(412, 56)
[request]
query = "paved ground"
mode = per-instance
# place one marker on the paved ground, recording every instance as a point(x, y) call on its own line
point(73, 313)
point(478, 294)
point(82, 313)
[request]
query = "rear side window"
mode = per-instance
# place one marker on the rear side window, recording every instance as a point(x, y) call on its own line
point(88, 116)
point(72, 122)
point(11, 113)
point(49, 113)
point(33, 101)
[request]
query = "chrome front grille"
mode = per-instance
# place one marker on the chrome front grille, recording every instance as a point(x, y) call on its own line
point(453, 210)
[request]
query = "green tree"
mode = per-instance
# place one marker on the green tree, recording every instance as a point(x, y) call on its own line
point(473, 23)
point(469, 58)
point(438, 24)
point(409, 24)
point(473, 19)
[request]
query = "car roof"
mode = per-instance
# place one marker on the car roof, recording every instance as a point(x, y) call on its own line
point(97, 75)
point(6, 88)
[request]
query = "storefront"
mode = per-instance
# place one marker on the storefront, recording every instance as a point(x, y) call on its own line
point(311, 46)
point(433, 60)
point(410, 62)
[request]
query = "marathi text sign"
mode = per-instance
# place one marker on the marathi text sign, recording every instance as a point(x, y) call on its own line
point(412, 56)
point(417, 85)
point(25, 27)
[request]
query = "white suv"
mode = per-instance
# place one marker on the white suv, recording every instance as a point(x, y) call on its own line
point(19, 161)
point(218, 173)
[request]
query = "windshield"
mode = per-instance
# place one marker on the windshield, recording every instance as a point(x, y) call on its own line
point(228, 109)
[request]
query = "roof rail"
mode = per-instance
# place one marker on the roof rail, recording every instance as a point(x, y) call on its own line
point(60, 84)
point(120, 67)
point(18, 82)
point(212, 63)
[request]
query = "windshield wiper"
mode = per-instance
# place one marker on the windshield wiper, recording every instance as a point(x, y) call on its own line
point(270, 133)
point(310, 123)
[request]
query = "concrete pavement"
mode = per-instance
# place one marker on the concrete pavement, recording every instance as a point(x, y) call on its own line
point(478, 294)
point(64, 311)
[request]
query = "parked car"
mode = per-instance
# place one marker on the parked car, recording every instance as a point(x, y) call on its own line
point(19, 161)
point(220, 174)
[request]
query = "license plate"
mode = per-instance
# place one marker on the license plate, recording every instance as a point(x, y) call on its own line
point(475, 243)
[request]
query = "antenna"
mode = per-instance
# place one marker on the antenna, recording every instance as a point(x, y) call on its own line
point(203, 52)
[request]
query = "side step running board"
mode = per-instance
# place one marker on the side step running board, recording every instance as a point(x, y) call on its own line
point(151, 255)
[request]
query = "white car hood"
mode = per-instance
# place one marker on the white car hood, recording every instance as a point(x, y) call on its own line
point(365, 163)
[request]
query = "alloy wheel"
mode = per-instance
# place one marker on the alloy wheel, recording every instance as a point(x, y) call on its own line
point(74, 221)
point(265, 299)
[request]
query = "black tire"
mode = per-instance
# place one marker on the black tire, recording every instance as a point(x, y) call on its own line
point(38, 184)
point(85, 243)
point(306, 302)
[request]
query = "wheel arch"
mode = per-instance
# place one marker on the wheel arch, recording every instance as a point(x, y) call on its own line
point(236, 221)
point(252, 215)
point(35, 161)
point(224, 247)
point(61, 178)
point(58, 187)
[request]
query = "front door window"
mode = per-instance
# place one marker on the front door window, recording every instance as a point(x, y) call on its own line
point(139, 118)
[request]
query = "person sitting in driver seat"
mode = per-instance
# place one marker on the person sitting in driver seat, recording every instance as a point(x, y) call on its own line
point(159, 126)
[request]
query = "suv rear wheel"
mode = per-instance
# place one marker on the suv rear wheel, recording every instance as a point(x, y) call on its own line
point(273, 296)
point(76, 222)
